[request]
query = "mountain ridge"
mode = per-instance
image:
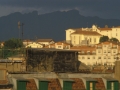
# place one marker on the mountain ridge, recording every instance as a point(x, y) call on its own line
point(49, 25)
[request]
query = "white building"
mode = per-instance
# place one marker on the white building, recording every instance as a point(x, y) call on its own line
point(82, 36)
point(45, 41)
point(103, 53)
point(59, 45)
point(110, 32)
point(90, 36)
point(34, 45)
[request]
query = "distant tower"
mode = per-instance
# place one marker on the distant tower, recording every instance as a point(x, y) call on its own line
point(106, 26)
point(94, 28)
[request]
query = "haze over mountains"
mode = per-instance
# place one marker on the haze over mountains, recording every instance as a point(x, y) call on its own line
point(50, 25)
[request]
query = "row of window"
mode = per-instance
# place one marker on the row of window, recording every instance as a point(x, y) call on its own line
point(89, 39)
point(88, 52)
point(96, 58)
point(107, 51)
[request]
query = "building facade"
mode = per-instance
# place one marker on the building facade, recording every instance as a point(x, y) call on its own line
point(105, 53)
point(85, 36)
point(59, 45)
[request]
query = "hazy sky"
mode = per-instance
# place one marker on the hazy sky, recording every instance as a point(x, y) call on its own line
point(101, 8)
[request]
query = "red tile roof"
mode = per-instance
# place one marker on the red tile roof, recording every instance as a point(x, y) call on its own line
point(99, 85)
point(54, 84)
point(78, 84)
point(44, 40)
point(87, 33)
point(88, 48)
point(105, 29)
point(31, 85)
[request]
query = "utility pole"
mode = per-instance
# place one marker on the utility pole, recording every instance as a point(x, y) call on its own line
point(19, 24)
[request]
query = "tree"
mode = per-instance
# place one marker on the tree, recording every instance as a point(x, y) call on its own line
point(13, 43)
point(114, 40)
point(104, 39)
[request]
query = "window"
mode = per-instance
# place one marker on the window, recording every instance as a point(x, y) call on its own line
point(104, 45)
point(99, 57)
point(104, 57)
point(108, 51)
point(116, 34)
point(90, 40)
point(99, 51)
point(94, 39)
point(59, 46)
point(88, 57)
point(105, 51)
point(93, 57)
point(108, 57)
point(83, 57)
point(114, 51)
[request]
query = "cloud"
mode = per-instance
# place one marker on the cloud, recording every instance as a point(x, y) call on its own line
point(101, 8)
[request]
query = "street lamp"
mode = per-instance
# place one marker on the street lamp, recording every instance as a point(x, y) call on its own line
point(19, 24)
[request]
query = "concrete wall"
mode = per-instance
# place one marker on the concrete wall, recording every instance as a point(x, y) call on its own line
point(12, 67)
point(117, 70)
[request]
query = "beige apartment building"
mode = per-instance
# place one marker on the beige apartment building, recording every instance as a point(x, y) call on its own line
point(102, 53)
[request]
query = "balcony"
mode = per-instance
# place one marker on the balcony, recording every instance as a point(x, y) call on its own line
point(114, 47)
point(99, 48)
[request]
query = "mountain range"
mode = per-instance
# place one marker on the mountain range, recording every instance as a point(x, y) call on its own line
point(49, 25)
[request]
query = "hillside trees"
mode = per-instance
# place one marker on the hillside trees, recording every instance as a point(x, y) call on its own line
point(13, 43)
point(106, 38)
point(114, 39)
point(11, 47)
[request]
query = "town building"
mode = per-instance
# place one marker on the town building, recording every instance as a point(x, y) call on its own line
point(105, 53)
point(57, 81)
point(45, 41)
point(59, 45)
point(90, 36)
point(34, 45)
point(82, 36)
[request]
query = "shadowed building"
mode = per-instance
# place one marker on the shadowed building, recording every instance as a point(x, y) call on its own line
point(52, 60)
